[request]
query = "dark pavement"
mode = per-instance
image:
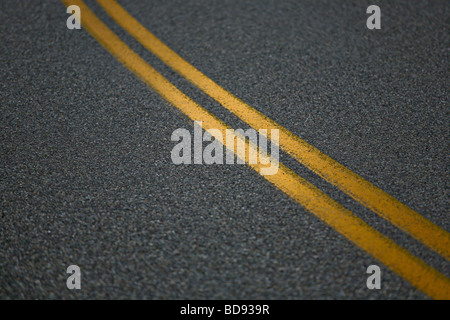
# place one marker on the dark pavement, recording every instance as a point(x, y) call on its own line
point(86, 176)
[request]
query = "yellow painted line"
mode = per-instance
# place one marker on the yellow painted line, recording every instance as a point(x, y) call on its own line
point(417, 272)
point(352, 184)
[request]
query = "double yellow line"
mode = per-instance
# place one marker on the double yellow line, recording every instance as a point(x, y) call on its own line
point(417, 272)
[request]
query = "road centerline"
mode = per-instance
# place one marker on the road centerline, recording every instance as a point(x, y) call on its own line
point(417, 272)
point(332, 171)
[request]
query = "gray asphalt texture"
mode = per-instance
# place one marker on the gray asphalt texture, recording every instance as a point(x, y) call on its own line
point(86, 176)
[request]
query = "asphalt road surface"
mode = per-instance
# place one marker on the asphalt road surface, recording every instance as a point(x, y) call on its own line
point(87, 179)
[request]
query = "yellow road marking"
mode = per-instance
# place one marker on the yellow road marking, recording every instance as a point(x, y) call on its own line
point(352, 184)
point(417, 272)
